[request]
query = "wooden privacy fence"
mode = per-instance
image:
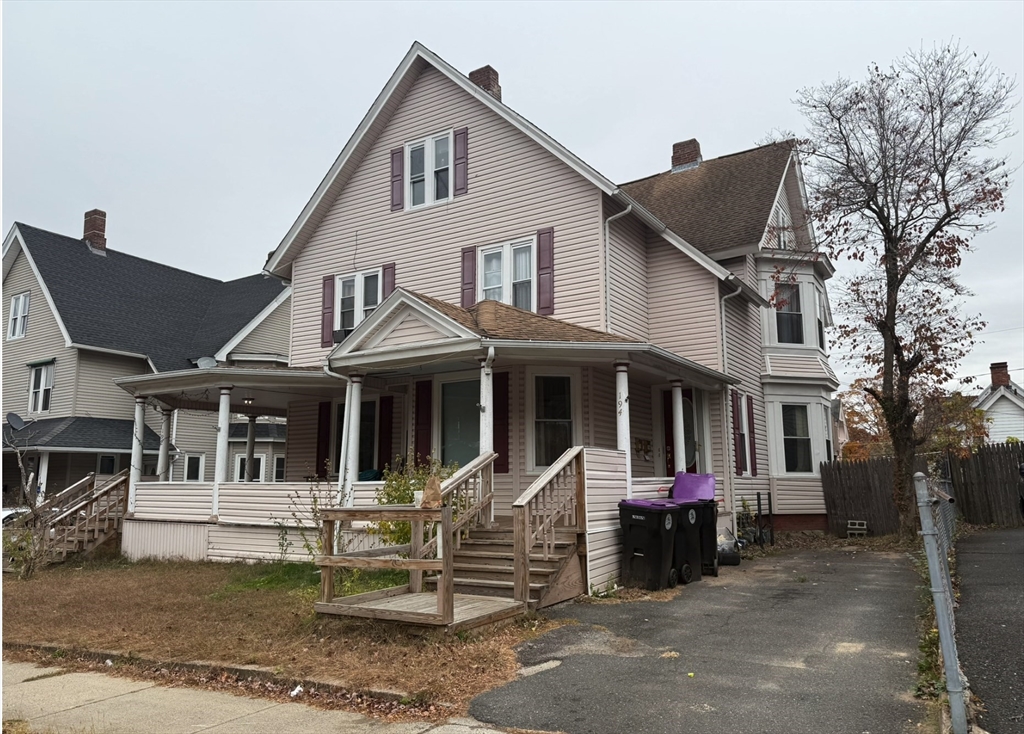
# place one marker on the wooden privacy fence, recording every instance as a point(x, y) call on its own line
point(986, 485)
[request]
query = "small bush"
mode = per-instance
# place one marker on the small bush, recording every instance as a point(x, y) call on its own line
point(398, 489)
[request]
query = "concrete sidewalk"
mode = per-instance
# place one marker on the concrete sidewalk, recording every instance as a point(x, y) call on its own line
point(94, 703)
point(990, 624)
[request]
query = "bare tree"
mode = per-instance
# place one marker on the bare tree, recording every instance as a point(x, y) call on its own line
point(902, 173)
point(24, 542)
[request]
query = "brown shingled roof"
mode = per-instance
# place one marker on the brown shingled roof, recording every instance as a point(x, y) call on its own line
point(722, 203)
point(499, 321)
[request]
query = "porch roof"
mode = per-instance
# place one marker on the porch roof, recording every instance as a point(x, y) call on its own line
point(79, 434)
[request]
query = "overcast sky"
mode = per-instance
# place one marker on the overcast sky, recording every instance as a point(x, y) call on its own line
point(203, 128)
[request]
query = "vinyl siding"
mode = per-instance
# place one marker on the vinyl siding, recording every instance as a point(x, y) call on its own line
point(602, 408)
point(796, 496)
point(42, 340)
point(515, 189)
point(98, 396)
point(410, 330)
point(1007, 419)
point(606, 487)
point(641, 428)
point(628, 307)
point(195, 432)
point(271, 335)
point(181, 501)
point(300, 448)
point(683, 298)
point(797, 365)
point(164, 540)
point(268, 449)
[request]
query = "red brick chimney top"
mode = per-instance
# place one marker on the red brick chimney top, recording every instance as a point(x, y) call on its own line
point(486, 78)
point(96, 229)
point(686, 155)
point(1000, 374)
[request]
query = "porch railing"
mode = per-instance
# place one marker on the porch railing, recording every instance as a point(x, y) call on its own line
point(101, 510)
point(557, 496)
point(470, 494)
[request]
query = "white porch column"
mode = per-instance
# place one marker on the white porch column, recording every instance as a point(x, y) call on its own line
point(678, 428)
point(343, 454)
point(138, 432)
point(41, 476)
point(220, 468)
point(353, 412)
point(622, 420)
point(163, 462)
point(487, 413)
point(250, 447)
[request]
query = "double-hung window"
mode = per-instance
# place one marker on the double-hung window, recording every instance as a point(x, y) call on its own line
point(18, 324)
point(278, 468)
point(743, 442)
point(784, 229)
point(429, 166)
point(796, 437)
point(194, 467)
point(508, 274)
point(358, 296)
point(819, 311)
point(828, 432)
point(40, 388)
point(789, 316)
point(257, 467)
point(552, 418)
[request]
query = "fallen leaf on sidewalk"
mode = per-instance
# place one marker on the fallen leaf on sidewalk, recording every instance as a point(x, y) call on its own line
point(670, 654)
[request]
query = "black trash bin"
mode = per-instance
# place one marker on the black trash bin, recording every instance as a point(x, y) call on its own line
point(709, 538)
point(687, 553)
point(648, 535)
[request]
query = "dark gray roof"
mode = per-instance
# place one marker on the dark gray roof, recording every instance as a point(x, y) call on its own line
point(80, 433)
point(264, 431)
point(122, 302)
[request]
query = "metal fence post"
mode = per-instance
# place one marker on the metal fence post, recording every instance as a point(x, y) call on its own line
point(942, 595)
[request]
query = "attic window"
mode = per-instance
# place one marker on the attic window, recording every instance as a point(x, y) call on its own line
point(429, 165)
point(18, 324)
point(784, 230)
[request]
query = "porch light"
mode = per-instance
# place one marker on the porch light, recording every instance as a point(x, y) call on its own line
point(247, 400)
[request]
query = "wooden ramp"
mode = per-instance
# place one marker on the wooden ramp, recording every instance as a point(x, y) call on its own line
point(421, 609)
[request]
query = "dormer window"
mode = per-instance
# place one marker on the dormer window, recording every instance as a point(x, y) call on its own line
point(18, 324)
point(429, 165)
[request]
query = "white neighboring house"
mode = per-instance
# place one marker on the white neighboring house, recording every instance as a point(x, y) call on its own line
point(1003, 403)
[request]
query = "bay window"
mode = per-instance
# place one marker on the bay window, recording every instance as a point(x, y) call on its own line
point(788, 315)
point(796, 437)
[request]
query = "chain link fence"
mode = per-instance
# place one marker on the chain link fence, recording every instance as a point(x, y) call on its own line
point(937, 509)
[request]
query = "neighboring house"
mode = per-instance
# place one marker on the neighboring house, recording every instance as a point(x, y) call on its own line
point(1003, 404)
point(78, 315)
point(462, 283)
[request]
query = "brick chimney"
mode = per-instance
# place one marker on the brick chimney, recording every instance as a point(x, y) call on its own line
point(1000, 374)
point(96, 229)
point(686, 155)
point(487, 79)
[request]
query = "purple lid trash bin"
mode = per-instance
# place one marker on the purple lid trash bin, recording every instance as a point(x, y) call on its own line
point(693, 487)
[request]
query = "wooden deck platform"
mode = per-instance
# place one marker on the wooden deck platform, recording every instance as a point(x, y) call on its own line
point(421, 609)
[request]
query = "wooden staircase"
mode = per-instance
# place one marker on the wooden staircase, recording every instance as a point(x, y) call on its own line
point(91, 519)
point(484, 564)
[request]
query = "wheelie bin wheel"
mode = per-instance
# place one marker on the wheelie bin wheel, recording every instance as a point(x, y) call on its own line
point(686, 576)
point(673, 578)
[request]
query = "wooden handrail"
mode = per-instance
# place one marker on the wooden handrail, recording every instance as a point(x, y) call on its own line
point(94, 495)
point(466, 472)
point(550, 473)
point(108, 503)
point(76, 490)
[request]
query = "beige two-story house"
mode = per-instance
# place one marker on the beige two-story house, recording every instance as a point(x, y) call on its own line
point(463, 287)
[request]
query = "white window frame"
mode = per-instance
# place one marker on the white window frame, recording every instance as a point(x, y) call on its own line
point(429, 197)
point(359, 295)
point(17, 325)
point(532, 373)
point(745, 432)
point(202, 468)
point(99, 462)
point(820, 315)
point(47, 373)
point(803, 316)
point(284, 468)
point(238, 467)
point(784, 230)
point(811, 430)
point(827, 433)
point(506, 249)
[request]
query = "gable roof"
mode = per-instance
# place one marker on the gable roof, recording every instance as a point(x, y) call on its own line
point(373, 123)
point(988, 397)
point(721, 204)
point(125, 304)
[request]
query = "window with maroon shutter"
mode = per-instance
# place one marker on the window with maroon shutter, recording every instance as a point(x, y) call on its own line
point(327, 312)
point(546, 271)
point(460, 183)
point(501, 427)
point(388, 276)
point(468, 276)
point(397, 179)
point(751, 440)
point(323, 438)
point(422, 420)
point(739, 453)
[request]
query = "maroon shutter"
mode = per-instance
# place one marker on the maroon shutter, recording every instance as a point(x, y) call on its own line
point(461, 162)
point(501, 427)
point(327, 313)
point(397, 179)
point(323, 439)
point(421, 438)
point(385, 422)
point(750, 436)
point(737, 443)
point(388, 280)
point(546, 271)
point(468, 276)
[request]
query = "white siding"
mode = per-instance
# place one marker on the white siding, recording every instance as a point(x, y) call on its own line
point(177, 501)
point(271, 335)
point(98, 396)
point(301, 445)
point(195, 432)
point(164, 540)
point(515, 189)
point(266, 504)
point(602, 408)
point(410, 330)
point(1007, 419)
point(606, 487)
point(794, 495)
point(641, 428)
point(42, 340)
point(628, 309)
point(683, 299)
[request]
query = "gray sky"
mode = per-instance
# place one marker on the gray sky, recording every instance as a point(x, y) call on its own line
point(203, 128)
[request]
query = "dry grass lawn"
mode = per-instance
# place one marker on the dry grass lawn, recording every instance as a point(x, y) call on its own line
point(261, 614)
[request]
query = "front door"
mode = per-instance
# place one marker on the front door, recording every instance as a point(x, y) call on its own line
point(460, 421)
point(689, 431)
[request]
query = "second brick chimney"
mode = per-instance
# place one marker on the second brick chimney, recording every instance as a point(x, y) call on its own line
point(96, 229)
point(686, 155)
point(1000, 374)
point(487, 79)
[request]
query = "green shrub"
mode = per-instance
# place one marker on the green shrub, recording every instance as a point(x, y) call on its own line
point(398, 489)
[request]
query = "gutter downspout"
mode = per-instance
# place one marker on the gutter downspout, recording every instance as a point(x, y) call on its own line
point(608, 266)
point(730, 450)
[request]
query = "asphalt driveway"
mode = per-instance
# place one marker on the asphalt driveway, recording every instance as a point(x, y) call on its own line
point(811, 641)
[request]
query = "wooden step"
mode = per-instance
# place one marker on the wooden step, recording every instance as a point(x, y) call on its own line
point(537, 560)
point(561, 533)
point(479, 543)
point(500, 573)
point(488, 587)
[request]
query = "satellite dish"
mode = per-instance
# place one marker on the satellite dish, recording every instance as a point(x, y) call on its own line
point(206, 363)
point(15, 421)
